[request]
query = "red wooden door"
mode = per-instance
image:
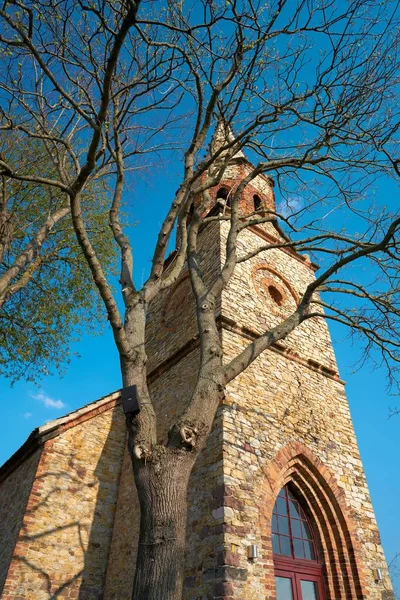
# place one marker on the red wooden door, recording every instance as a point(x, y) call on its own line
point(286, 585)
point(291, 585)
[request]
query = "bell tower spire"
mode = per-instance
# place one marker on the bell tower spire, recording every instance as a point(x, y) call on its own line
point(223, 135)
point(258, 194)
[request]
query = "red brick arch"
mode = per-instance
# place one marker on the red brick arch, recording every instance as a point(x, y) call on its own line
point(284, 281)
point(332, 519)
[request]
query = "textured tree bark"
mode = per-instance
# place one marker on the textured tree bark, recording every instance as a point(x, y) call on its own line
point(162, 482)
point(162, 471)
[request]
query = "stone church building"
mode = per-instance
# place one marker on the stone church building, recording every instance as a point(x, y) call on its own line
point(279, 506)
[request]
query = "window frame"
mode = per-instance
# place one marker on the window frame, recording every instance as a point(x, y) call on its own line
point(303, 517)
point(299, 569)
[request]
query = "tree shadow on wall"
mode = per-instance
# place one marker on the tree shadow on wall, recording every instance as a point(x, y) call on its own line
point(54, 593)
point(107, 477)
point(64, 544)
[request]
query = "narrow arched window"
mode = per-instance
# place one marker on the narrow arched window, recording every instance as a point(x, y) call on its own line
point(298, 568)
point(223, 194)
point(276, 295)
point(257, 202)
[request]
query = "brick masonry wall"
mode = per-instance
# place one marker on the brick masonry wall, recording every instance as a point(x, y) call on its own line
point(14, 495)
point(64, 541)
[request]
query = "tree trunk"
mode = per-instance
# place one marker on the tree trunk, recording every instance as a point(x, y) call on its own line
point(162, 471)
point(162, 481)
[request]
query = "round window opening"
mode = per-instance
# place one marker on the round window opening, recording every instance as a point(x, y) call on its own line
point(276, 295)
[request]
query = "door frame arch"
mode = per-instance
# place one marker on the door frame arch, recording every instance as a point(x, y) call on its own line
point(330, 516)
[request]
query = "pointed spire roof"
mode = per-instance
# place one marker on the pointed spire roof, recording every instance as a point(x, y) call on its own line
point(223, 134)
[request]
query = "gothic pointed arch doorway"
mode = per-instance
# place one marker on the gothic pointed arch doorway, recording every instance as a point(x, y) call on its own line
point(297, 560)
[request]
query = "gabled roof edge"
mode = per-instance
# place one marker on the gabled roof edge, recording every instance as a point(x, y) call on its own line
point(52, 429)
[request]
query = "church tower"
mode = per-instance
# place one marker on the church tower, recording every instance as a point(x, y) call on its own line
point(278, 504)
point(293, 482)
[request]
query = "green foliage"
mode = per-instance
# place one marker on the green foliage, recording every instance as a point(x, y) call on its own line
point(40, 321)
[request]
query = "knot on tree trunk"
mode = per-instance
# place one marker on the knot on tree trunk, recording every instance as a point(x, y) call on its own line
point(183, 435)
point(208, 304)
point(215, 351)
point(139, 448)
point(188, 435)
point(141, 452)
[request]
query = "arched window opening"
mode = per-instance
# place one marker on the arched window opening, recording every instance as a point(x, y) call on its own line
point(223, 194)
point(291, 532)
point(257, 202)
point(298, 569)
point(276, 295)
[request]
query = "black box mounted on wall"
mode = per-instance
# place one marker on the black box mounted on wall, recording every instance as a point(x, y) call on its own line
point(130, 402)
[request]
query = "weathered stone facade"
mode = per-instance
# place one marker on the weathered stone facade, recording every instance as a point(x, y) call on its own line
point(66, 486)
point(75, 519)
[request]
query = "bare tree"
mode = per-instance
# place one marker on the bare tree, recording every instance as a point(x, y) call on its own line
point(311, 93)
point(394, 572)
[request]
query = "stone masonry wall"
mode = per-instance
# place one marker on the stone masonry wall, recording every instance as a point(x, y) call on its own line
point(290, 397)
point(248, 302)
point(205, 544)
point(14, 494)
point(122, 556)
point(286, 418)
point(63, 545)
point(275, 403)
